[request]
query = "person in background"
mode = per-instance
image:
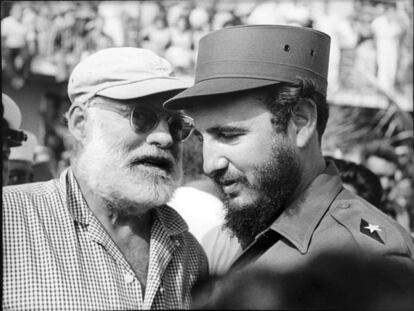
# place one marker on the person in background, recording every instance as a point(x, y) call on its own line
point(157, 36)
point(96, 39)
point(259, 107)
point(363, 182)
point(199, 202)
point(21, 161)
point(199, 20)
point(388, 31)
point(14, 43)
point(359, 180)
point(44, 164)
point(101, 236)
point(180, 50)
point(405, 158)
point(382, 160)
point(11, 135)
point(403, 196)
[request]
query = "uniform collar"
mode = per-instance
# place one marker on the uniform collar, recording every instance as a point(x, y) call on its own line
point(170, 220)
point(300, 219)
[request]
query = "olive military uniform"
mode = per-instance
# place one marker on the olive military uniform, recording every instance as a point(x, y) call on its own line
point(326, 217)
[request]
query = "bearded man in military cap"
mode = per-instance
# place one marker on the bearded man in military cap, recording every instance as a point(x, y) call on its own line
point(259, 106)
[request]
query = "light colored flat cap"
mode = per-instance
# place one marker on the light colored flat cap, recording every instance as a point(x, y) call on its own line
point(122, 73)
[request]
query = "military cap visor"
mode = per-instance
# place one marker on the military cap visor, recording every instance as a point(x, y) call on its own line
point(215, 87)
point(246, 57)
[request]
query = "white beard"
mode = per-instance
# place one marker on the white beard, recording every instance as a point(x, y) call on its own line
point(104, 164)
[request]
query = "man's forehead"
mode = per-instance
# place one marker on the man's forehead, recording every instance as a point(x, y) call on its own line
point(149, 102)
point(141, 101)
point(226, 112)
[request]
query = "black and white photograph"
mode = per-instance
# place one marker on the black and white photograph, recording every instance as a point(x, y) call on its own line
point(207, 155)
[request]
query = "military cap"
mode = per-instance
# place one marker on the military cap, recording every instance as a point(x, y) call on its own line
point(245, 57)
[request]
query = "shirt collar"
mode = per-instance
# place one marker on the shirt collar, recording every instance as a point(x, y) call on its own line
point(76, 203)
point(300, 219)
point(170, 220)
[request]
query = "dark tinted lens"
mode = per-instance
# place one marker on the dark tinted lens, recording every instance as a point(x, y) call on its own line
point(180, 127)
point(143, 119)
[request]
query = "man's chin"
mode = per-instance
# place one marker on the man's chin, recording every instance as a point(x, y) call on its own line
point(133, 192)
point(142, 171)
point(155, 175)
point(142, 199)
point(241, 201)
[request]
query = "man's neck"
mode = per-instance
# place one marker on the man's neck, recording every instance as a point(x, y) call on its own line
point(116, 222)
point(132, 236)
point(130, 233)
point(310, 171)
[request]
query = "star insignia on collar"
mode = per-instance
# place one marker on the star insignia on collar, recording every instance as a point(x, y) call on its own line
point(371, 230)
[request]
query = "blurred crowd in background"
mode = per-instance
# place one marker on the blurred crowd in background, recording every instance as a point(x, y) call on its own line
point(51, 37)
point(371, 42)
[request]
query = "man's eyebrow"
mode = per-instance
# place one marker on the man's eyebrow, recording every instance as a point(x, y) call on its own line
point(227, 129)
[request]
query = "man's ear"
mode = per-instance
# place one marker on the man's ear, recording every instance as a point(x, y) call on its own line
point(304, 118)
point(76, 117)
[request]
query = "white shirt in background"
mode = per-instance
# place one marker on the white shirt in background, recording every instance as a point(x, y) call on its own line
point(201, 210)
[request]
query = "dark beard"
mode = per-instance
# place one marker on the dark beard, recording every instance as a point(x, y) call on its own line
point(276, 182)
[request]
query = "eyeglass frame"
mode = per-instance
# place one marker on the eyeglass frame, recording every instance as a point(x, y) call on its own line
point(130, 111)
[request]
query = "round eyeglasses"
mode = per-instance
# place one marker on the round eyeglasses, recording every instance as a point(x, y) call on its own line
point(143, 120)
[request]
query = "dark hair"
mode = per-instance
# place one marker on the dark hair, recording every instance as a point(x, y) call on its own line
point(365, 182)
point(281, 98)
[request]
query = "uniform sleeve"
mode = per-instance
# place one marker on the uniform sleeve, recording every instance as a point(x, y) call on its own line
point(375, 232)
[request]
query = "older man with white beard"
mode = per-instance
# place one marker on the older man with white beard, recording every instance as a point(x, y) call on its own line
point(100, 236)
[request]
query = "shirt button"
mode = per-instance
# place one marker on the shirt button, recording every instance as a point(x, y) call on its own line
point(177, 242)
point(162, 289)
point(344, 205)
point(129, 278)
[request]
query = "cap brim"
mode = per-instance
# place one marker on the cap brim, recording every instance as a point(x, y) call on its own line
point(214, 87)
point(145, 88)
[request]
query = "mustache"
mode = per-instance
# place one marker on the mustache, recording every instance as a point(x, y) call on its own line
point(160, 158)
point(224, 178)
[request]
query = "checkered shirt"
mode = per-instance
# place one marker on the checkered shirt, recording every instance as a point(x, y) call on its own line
point(57, 255)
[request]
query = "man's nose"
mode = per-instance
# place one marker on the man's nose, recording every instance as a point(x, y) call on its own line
point(213, 160)
point(161, 135)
